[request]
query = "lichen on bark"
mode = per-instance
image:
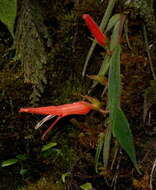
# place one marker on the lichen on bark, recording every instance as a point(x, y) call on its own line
point(30, 48)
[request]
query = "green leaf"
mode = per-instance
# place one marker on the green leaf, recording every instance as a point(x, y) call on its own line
point(120, 125)
point(112, 22)
point(48, 146)
point(9, 162)
point(63, 177)
point(114, 87)
point(22, 157)
point(8, 10)
point(86, 186)
point(24, 172)
point(115, 36)
point(123, 134)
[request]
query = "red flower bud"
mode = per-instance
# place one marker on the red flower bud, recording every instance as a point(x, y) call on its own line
point(95, 30)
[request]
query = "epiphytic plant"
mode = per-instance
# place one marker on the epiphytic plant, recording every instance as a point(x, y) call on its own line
point(119, 125)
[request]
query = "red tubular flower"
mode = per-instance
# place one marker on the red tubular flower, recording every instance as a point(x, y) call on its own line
point(76, 108)
point(95, 30)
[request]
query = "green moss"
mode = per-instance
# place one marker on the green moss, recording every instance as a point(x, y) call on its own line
point(44, 184)
point(71, 91)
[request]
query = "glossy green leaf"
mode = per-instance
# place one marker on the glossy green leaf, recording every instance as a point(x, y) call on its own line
point(8, 10)
point(48, 146)
point(9, 162)
point(123, 134)
point(86, 186)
